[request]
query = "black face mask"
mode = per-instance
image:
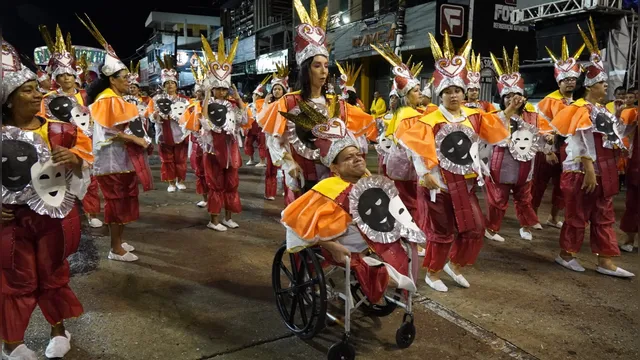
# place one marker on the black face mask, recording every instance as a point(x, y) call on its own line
point(605, 125)
point(373, 208)
point(306, 136)
point(60, 108)
point(137, 128)
point(455, 147)
point(513, 126)
point(17, 159)
point(164, 105)
point(217, 114)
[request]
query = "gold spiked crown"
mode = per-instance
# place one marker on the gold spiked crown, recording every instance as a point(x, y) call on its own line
point(198, 73)
point(405, 74)
point(134, 74)
point(310, 37)
point(281, 76)
point(348, 77)
point(450, 67)
point(474, 66)
point(595, 72)
point(112, 63)
point(81, 67)
point(62, 60)
point(509, 78)
point(566, 66)
point(168, 71)
point(261, 89)
point(219, 66)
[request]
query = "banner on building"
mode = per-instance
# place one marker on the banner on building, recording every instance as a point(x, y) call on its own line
point(267, 63)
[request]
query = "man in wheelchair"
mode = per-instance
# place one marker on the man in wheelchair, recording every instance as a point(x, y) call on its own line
point(353, 214)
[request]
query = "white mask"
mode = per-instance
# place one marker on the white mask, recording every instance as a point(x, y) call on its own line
point(49, 181)
point(522, 140)
point(177, 109)
point(81, 118)
point(400, 212)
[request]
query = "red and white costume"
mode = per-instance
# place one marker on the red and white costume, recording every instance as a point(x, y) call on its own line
point(474, 66)
point(631, 218)
point(190, 123)
point(253, 132)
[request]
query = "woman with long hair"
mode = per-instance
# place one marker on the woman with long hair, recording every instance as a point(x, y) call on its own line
point(119, 154)
point(44, 173)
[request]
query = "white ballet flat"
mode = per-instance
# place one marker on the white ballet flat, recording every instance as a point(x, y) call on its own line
point(459, 279)
point(437, 285)
point(58, 346)
point(572, 264)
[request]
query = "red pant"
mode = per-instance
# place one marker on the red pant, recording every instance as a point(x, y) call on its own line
point(582, 208)
point(223, 186)
point(33, 252)
point(542, 173)
point(498, 199)
point(262, 144)
point(197, 158)
point(631, 217)
point(174, 161)
point(91, 201)
point(270, 178)
point(443, 239)
point(120, 193)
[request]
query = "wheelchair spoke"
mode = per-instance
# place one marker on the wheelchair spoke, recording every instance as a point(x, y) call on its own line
point(295, 287)
point(292, 313)
point(287, 272)
point(303, 313)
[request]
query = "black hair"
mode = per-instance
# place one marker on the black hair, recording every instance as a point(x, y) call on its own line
point(620, 88)
point(99, 85)
point(284, 91)
point(520, 109)
point(631, 89)
point(352, 98)
point(304, 80)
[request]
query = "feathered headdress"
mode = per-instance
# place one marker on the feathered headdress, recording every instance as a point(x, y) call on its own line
point(219, 66)
point(348, 77)
point(281, 76)
point(261, 89)
point(198, 73)
point(310, 39)
point(509, 78)
point(14, 74)
point(595, 72)
point(168, 72)
point(474, 66)
point(62, 60)
point(405, 74)
point(450, 67)
point(112, 63)
point(134, 73)
point(566, 66)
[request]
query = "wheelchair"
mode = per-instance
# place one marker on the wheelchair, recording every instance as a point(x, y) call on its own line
point(303, 287)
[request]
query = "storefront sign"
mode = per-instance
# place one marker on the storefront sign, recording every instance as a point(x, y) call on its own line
point(267, 63)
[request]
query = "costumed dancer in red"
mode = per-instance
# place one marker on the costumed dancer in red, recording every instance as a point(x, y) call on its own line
point(548, 164)
point(631, 218)
point(44, 82)
point(253, 132)
point(426, 106)
point(297, 155)
point(444, 149)
point(590, 176)
point(166, 110)
point(120, 161)
point(511, 164)
point(223, 119)
point(44, 173)
point(474, 66)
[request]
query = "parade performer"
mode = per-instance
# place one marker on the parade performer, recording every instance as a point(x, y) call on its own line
point(44, 82)
point(165, 110)
point(292, 147)
point(590, 178)
point(191, 123)
point(119, 154)
point(631, 218)
point(443, 146)
point(474, 66)
point(44, 172)
point(57, 104)
point(224, 118)
point(352, 214)
point(426, 106)
point(548, 163)
point(348, 77)
point(141, 127)
point(253, 132)
point(511, 164)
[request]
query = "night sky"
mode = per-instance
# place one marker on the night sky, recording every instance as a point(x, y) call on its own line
point(120, 22)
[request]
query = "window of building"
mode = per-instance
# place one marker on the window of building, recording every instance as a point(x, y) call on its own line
point(189, 32)
point(344, 5)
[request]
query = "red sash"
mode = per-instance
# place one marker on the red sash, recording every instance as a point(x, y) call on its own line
point(62, 134)
point(167, 133)
point(140, 165)
point(607, 164)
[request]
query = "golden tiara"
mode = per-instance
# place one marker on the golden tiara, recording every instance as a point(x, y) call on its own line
point(350, 72)
point(565, 51)
point(392, 58)
point(447, 51)
point(134, 69)
point(591, 43)
point(312, 17)
point(508, 66)
point(475, 63)
point(221, 57)
point(282, 71)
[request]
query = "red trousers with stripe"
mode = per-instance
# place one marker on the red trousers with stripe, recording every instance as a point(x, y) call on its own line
point(270, 178)
point(174, 161)
point(223, 186)
point(197, 164)
point(120, 193)
point(542, 173)
point(498, 199)
point(91, 201)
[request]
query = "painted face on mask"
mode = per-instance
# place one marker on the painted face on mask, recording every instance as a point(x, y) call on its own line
point(177, 109)
point(604, 124)
point(455, 147)
point(399, 211)
point(61, 108)
point(17, 159)
point(81, 118)
point(49, 182)
point(384, 144)
point(217, 114)
point(164, 105)
point(373, 208)
point(522, 140)
point(137, 128)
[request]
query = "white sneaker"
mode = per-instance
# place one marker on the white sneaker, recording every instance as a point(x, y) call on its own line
point(95, 223)
point(270, 198)
point(557, 225)
point(537, 226)
point(261, 165)
point(128, 257)
point(494, 237)
point(230, 224)
point(573, 264)
point(218, 227)
point(201, 204)
point(181, 186)
point(459, 279)
point(171, 188)
point(437, 285)
point(619, 272)
point(627, 247)
point(58, 347)
point(525, 234)
point(22, 352)
point(422, 252)
point(250, 162)
point(127, 247)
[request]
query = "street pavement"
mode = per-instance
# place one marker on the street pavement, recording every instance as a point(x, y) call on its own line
point(199, 294)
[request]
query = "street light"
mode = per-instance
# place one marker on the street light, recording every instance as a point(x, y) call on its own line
point(344, 18)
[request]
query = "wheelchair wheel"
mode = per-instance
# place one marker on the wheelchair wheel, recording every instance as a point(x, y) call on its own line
point(406, 333)
point(342, 350)
point(300, 290)
point(378, 310)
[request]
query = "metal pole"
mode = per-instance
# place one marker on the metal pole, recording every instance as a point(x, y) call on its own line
point(471, 11)
point(400, 26)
